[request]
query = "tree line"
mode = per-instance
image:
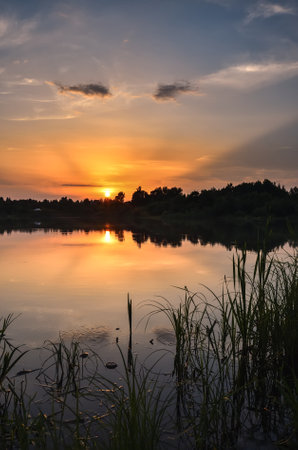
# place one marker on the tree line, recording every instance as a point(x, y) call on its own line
point(256, 199)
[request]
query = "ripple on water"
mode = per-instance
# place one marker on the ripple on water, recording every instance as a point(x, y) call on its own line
point(164, 335)
point(91, 335)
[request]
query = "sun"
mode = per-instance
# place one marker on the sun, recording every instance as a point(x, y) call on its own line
point(107, 193)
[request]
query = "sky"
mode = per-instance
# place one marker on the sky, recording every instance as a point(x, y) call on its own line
point(114, 94)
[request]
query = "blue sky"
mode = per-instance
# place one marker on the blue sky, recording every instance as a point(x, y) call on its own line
point(116, 94)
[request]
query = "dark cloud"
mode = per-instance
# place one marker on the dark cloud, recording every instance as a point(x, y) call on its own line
point(87, 90)
point(81, 185)
point(165, 92)
point(5, 181)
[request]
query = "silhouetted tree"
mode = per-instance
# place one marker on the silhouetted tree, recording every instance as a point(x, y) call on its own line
point(139, 197)
point(165, 193)
point(120, 197)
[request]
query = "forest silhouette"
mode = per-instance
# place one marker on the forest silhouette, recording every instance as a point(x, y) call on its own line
point(244, 214)
point(255, 199)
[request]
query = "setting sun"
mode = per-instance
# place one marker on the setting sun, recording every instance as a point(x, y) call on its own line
point(107, 193)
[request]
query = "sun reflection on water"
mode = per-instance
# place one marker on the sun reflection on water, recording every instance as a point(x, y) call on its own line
point(108, 237)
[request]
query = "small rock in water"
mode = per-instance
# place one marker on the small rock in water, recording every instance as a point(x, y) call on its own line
point(111, 365)
point(84, 355)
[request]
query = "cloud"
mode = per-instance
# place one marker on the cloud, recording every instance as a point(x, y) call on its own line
point(14, 32)
point(82, 185)
point(166, 92)
point(265, 10)
point(251, 75)
point(273, 155)
point(87, 90)
point(32, 118)
point(25, 82)
point(5, 180)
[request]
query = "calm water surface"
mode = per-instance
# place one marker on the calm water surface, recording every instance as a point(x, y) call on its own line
point(77, 283)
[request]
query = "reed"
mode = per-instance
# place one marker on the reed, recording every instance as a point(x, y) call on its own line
point(234, 352)
point(9, 354)
point(129, 349)
point(136, 410)
point(235, 373)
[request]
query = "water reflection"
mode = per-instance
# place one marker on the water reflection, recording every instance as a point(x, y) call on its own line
point(165, 335)
point(107, 237)
point(63, 280)
point(228, 235)
point(87, 335)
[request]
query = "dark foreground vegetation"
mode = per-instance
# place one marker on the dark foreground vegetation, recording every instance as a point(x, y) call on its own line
point(233, 380)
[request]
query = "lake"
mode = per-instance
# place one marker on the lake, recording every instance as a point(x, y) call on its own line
point(74, 285)
point(67, 282)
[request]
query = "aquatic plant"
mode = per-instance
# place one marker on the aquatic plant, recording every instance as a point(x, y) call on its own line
point(136, 410)
point(234, 351)
point(9, 354)
point(234, 375)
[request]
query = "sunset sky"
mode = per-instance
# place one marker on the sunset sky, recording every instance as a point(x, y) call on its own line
point(113, 94)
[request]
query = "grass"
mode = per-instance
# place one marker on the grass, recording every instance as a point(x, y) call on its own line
point(77, 406)
point(129, 350)
point(137, 412)
point(234, 375)
point(235, 354)
point(9, 354)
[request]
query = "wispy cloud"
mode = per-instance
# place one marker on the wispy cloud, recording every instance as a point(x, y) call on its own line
point(5, 180)
point(82, 185)
point(25, 82)
point(87, 90)
point(33, 118)
point(15, 32)
point(251, 75)
point(168, 92)
point(265, 10)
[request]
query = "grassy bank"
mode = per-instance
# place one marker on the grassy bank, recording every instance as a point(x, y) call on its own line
point(233, 381)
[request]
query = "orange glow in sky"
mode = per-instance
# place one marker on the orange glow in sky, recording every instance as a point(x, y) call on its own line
point(75, 122)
